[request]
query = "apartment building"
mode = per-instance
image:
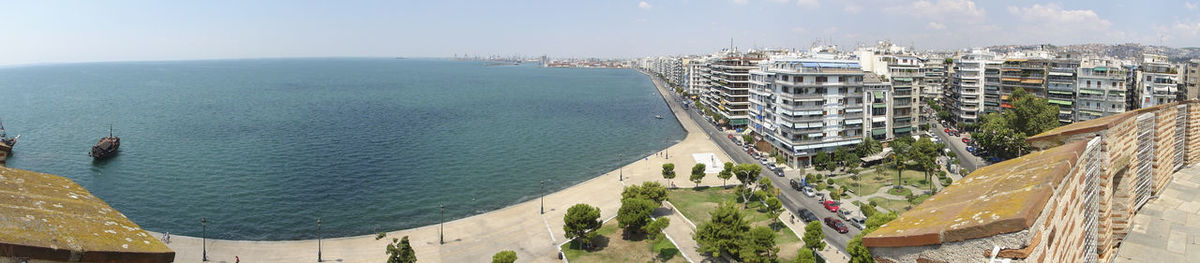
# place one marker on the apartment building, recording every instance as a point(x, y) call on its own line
point(1191, 78)
point(803, 104)
point(697, 75)
point(1100, 88)
point(1060, 87)
point(1154, 82)
point(903, 70)
point(936, 70)
point(967, 86)
point(729, 86)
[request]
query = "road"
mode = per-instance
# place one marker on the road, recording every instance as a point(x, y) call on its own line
point(792, 200)
point(968, 161)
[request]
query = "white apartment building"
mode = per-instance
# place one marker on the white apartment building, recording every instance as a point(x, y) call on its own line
point(1155, 81)
point(1100, 87)
point(1191, 78)
point(968, 85)
point(903, 70)
point(804, 104)
point(697, 75)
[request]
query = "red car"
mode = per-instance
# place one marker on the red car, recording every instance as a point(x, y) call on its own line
point(947, 130)
point(831, 205)
point(836, 225)
point(965, 140)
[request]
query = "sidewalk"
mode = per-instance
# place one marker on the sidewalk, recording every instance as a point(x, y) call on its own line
point(519, 227)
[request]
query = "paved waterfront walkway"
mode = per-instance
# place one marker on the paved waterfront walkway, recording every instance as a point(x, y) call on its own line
point(474, 239)
point(1167, 229)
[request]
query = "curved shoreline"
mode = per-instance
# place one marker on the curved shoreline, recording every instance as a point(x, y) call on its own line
point(519, 227)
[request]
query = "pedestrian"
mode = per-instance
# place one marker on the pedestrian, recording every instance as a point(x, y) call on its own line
point(236, 259)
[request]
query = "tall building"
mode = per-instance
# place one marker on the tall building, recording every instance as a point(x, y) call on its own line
point(936, 71)
point(903, 70)
point(967, 86)
point(1154, 81)
point(729, 85)
point(805, 104)
point(1191, 79)
point(1060, 87)
point(1100, 88)
point(697, 75)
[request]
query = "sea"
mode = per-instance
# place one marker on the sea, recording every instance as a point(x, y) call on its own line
point(263, 148)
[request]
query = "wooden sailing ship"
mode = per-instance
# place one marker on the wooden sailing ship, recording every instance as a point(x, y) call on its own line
point(106, 147)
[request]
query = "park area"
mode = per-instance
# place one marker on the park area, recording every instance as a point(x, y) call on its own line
point(613, 245)
point(697, 203)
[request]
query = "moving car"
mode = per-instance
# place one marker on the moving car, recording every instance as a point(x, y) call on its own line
point(831, 205)
point(836, 225)
point(808, 191)
point(795, 184)
point(806, 215)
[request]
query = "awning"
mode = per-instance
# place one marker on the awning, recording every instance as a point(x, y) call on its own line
point(1004, 97)
point(1060, 92)
point(903, 79)
point(1092, 92)
point(1006, 105)
point(853, 121)
point(878, 132)
point(1100, 69)
point(878, 94)
point(1060, 102)
point(879, 105)
point(810, 64)
point(902, 130)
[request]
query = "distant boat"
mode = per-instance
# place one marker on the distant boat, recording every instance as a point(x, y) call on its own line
point(658, 116)
point(6, 144)
point(106, 147)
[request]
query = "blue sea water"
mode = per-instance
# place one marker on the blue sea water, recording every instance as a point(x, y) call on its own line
point(264, 147)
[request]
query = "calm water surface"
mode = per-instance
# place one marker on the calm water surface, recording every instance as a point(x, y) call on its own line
point(262, 148)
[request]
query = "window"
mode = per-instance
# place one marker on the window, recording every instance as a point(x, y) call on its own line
point(800, 79)
point(1089, 84)
point(824, 79)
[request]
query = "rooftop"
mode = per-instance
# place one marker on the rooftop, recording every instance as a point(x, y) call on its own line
point(1001, 198)
point(44, 216)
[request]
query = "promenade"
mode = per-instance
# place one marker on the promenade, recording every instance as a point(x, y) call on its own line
point(521, 228)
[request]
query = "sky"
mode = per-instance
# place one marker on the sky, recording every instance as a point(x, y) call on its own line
point(54, 31)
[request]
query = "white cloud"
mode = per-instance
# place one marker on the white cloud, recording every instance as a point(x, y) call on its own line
point(644, 5)
point(1053, 16)
point(741, 2)
point(809, 3)
point(799, 30)
point(780, 1)
point(936, 25)
point(963, 10)
point(852, 8)
point(1189, 5)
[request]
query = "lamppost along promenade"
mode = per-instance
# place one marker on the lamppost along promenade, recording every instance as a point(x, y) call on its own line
point(319, 239)
point(204, 238)
point(621, 170)
point(441, 226)
point(543, 191)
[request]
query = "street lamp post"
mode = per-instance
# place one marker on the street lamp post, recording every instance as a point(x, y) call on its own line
point(442, 225)
point(319, 239)
point(621, 170)
point(543, 192)
point(204, 238)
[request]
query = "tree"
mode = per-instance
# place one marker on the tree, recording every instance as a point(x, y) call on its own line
point(868, 147)
point(726, 173)
point(821, 160)
point(647, 190)
point(635, 213)
point(506, 256)
point(747, 173)
point(858, 252)
point(655, 228)
point(814, 236)
point(806, 256)
point(847, 158)
point(400, 251)
point(1004, 134)
point(581, 222)
point(900, 155)
point(723, 233)
point(697, 174)
point(747, 138)
point(774, 207)
point(925, 153)
point(668, 171)
point(764, 184)
point(758, 246)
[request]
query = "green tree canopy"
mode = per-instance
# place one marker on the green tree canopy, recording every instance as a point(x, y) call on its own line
point(747, 174)
point(655, 228)
point(697, 174)
point(581, 222)
point(506, 256)
point(723, 233)
point(726, 173)
point(805, 255)
point(648, 190)
point(635, 213)
point(821, 161)
point(774, 207)
point(400, 251)
point(1004, 134)
point(814, 236)
point(668, 171)
point(758, 246)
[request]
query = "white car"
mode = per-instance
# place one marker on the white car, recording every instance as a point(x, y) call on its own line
point(808, 191)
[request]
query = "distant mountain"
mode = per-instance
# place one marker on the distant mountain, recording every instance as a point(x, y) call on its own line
point(1127, 50)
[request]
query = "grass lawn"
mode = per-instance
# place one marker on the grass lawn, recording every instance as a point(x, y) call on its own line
point(697, 204)
point(901, 192)
point(610, 246)
point(900, 206)
point(870, 181)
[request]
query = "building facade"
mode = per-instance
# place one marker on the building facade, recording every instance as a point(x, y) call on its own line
point(1154, 81)
point(1100, 88)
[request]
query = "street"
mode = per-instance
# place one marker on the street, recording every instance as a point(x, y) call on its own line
point(792, 200)
point(968, 161)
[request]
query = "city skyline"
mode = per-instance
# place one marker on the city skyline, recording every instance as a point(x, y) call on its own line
point(144, 30)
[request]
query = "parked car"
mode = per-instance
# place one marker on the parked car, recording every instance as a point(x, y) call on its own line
point(843, 214)
point(858, 222)
point(806, 215)
point(970, 149)
point(947, 130)
point(831, 205)
point(836, 225)
point(966, 140)
point(795, 184)
point(808, 191)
